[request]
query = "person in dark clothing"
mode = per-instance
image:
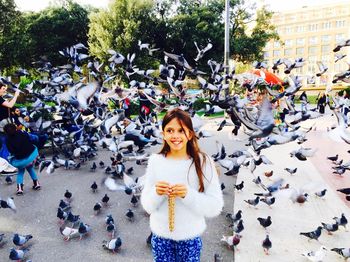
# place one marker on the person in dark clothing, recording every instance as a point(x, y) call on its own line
point(23, 155)
point(145, 107)
point(124, 102)
point(5, 107)
point(321, 103)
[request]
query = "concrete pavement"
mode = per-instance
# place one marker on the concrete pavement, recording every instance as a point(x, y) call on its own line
point(36, 215)
point(289, 219)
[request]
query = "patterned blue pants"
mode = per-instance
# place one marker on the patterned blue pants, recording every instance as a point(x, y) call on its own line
point(167, 250)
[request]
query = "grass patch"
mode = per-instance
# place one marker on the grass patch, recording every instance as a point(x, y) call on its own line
point(162, 114)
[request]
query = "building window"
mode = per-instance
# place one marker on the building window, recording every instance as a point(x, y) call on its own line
point(289, 29)
point(326, 25)
point(325, 59)
point(325, 38)
point(312, 50)
point(276, 44)
point(299, 29)
point(276, 53)
point(266, 54)
point(338, 67)
point(313, 27)
point(339, 38)
point(299, 51)
point(340, 23)
point(288, 52)
point(288, 43)
point(325, 49)
point(313, 40)
point(312, 59)
point(300, 41)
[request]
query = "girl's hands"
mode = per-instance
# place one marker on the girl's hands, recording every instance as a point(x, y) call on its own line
point(162, 188)
point(177, 190)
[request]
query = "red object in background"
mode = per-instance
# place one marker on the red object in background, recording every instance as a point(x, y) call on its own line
point(269, 77)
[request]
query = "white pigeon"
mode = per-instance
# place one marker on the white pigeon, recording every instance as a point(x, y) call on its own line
point(316, 256)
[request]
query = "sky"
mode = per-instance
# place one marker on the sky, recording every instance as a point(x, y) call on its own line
point(37, 5)
point(275, 5)
point(283, 5)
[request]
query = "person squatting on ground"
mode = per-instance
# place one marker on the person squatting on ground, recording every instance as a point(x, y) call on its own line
point(181, 171)
point(131, 133)
point(23, 155)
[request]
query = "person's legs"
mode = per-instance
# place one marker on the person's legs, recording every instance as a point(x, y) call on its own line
point(162, 249)
point(34, 177)
point(189, 250)
point(20, 181)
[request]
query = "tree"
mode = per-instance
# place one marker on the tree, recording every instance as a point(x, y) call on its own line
point(54, 29)
point(121, 27)
point(249, 47)
point(9, 19)
point(33, 35)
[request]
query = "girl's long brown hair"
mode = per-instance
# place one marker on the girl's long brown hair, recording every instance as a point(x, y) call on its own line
point(192, 144)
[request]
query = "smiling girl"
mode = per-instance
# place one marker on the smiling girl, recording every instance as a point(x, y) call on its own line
point(188, 177)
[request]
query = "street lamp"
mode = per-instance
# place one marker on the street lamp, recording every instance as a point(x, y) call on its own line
point(227, 40)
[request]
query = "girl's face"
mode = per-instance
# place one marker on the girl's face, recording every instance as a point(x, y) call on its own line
point(177, 137)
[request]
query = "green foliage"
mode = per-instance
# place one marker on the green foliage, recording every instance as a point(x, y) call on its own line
point(199, 104)
point(42, 34)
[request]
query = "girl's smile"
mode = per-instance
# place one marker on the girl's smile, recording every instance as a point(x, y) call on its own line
point(176, 136)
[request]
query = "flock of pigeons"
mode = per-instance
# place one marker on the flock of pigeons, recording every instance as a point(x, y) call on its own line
point(84, 106)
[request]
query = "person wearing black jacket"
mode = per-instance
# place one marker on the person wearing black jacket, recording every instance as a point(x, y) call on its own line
point(24, 153)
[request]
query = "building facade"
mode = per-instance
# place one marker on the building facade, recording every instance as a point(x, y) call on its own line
point(312, 33)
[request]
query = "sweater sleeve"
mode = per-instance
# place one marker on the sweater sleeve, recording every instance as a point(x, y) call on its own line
point(150, 200)
point(210, 202)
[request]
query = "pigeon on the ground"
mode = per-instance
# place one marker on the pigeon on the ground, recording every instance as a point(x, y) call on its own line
point(105, 199)
point(238, 227)
point(240, 186)
point(330, 227)
point(316, 256)
point(344, 252)
point(94, 187)
point(342, 221)
point(68, 195)
point(265, 222)
point(267, 244)
point(291, 170)
point(83, 229)
point(268, 200)
point(253, 202)
point(18, 254)
point(313, 234)
point(20, 240)
point(321, 193)
point(113, 244)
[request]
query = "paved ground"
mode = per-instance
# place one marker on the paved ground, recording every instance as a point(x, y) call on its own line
point(37, 216)
point(289, 219)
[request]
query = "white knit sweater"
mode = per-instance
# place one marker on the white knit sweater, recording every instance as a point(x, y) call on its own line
point(190, 211)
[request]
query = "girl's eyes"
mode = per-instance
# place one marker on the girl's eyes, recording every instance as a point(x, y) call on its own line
point(172, 131)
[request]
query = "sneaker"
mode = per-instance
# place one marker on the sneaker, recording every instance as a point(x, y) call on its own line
point(19, 189)
point(36, 185)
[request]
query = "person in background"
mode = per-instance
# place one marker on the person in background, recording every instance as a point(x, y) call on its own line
point(131, 133)
point(5, 107)
point(181, 189)
point(17, 117)
point(124, 102)
point(23, 154)
point(303, 101)
point(144, 108)
point(321, 103)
